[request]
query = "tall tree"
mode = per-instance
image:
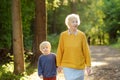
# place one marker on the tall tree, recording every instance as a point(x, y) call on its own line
point(40, 29)
point(17, 37)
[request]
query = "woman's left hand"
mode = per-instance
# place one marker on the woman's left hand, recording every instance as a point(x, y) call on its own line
point(88, 69)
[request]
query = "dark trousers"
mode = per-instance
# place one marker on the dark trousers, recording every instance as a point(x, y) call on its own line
point(50, 78)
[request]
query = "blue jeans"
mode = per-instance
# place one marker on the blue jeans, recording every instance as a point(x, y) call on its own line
point(73, 74)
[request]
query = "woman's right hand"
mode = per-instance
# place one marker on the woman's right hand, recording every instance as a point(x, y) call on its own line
point(59, 69)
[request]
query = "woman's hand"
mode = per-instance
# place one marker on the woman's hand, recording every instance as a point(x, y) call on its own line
point(88, 70)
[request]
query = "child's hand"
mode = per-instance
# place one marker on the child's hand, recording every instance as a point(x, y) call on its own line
point(59, 69)
point(88, 69)
point(41, 76)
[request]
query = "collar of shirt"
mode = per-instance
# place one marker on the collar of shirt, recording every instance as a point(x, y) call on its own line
point(75, 33)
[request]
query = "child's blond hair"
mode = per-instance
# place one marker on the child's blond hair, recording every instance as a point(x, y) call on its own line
point(43, 44)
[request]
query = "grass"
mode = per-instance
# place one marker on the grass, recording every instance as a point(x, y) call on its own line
point(116, 45)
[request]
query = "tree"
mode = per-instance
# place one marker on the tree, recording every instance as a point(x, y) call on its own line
point(17, 37)
point(112, 19)
point(40, 29)
point(73, 5)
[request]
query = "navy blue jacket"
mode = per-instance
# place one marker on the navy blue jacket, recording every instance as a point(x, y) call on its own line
point(47, 65)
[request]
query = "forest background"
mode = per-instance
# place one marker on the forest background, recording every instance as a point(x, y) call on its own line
point(100, 20)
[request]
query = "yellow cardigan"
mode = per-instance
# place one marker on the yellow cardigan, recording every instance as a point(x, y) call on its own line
point(73, 50)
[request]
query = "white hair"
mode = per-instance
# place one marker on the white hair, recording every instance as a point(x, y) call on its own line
point(72, 16)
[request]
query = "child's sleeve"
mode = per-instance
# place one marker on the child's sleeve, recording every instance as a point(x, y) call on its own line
point(39, 67)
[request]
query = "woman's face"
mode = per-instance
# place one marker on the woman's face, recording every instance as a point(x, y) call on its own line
point(73, 23)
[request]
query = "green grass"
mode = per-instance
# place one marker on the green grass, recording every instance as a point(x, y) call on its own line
point(116, 45)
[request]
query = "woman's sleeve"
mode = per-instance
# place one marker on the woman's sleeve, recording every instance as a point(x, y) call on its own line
point(86, 51)
point(60, 50)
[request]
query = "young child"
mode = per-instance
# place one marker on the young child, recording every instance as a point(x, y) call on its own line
point(47, 62)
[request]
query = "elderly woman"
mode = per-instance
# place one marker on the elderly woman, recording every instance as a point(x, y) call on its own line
point(73, 54)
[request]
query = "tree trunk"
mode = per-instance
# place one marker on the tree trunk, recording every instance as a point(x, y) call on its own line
point(17, 37)
point(40, 30)
point(112, 37)
point(73, 5)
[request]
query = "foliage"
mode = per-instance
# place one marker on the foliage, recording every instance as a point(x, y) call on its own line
point(5, 24)
point(117, 44)
point(6, 72)
point(111, 10)
point(95, 23)
point(27, 10)
point(53, 39)
point(100, 20)
point(56, 16)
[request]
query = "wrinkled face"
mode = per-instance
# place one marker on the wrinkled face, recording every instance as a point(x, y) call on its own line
point(73, 23)
point(45, 49)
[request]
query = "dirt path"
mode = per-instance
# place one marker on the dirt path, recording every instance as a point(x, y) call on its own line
point(105, 64)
